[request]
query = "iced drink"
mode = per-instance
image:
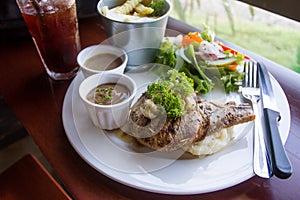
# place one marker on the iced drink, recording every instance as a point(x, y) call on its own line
point(54, 30)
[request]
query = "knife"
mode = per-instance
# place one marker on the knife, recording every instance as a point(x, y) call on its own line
point(279, 161)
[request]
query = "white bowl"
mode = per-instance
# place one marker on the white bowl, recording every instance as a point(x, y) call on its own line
point(94, 50)
point(112, 116)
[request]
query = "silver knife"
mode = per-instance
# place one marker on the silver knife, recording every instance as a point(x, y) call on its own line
point(279, 161)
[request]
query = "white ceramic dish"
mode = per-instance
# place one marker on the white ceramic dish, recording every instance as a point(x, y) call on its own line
point(94, 50)
point(111, 116)
point(162, 173)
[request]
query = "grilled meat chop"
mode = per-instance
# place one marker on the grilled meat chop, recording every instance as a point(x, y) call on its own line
point(206, 118)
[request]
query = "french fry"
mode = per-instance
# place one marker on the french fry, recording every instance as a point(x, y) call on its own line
point(143, 10)
point(127, 7)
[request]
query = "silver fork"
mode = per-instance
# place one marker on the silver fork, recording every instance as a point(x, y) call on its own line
point(251, 91)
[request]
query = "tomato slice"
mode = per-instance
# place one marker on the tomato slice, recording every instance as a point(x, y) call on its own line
point(195, 36)
point(234, 52)
point(232, 67)
point(190, 38)
point(186, 40)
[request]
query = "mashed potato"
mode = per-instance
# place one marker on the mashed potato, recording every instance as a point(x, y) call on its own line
point(212, 143)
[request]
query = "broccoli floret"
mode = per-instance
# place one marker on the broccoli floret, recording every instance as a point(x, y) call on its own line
point(158, 7)
point(170, 91)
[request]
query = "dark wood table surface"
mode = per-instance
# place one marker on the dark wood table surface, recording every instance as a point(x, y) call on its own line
point(37, 102)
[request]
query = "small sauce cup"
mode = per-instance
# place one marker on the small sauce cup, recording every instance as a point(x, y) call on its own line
point(99, 58)
point(110, 116)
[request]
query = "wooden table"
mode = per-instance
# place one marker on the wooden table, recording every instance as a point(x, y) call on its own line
point(37, 102)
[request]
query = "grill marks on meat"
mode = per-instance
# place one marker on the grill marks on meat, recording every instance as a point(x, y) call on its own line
point(172, 134)
point(223, 116)
point(164, 134)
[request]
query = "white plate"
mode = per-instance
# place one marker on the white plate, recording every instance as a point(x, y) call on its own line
point(161, 172)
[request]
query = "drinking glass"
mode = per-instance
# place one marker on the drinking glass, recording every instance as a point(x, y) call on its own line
point(54, 29)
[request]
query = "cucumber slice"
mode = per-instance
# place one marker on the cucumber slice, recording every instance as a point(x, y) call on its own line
point(220, 62)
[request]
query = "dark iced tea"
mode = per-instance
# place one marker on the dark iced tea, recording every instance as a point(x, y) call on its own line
point(54, 29)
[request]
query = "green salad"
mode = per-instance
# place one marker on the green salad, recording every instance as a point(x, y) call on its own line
point(204, 60)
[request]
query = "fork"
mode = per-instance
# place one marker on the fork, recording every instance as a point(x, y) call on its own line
point(251, 92)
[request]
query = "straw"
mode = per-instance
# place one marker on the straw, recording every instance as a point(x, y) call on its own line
point(35, 4)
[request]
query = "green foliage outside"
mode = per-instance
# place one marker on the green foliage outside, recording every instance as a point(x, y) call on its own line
point(277, 43)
